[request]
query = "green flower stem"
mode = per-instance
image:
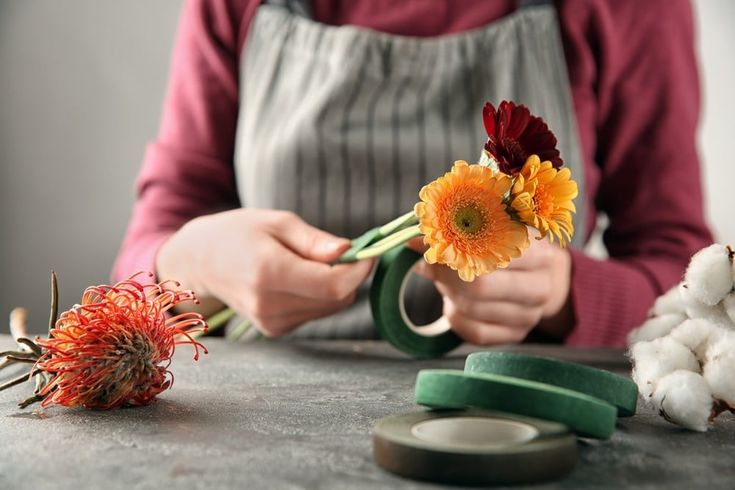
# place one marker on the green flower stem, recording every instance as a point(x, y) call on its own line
point(389, 243)
point(407, 219)
point(216, 321)
point(240, 330)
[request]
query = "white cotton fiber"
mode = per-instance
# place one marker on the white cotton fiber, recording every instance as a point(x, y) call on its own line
point(667, 303)
point(709, 276)
point(698, 334)
point(719, 368)
point(684, 355)
point(696, 309)
point(728, 304)
point(684, 398)
point(656, 327)
point(654, 359)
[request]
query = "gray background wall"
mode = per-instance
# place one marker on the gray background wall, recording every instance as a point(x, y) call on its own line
point(81, 85)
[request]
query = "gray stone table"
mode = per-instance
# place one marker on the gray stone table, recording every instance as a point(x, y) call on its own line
point(276, 415)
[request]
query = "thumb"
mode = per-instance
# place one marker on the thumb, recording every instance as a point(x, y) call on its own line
point(310, 242)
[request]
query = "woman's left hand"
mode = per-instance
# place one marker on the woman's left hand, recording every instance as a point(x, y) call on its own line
point(504, 306)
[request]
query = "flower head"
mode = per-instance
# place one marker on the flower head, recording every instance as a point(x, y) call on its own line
point(542, 198)
point(115, 348)
point(514, 134)
point(464, 221)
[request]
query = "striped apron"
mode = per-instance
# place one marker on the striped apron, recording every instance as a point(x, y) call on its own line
point(344, 125)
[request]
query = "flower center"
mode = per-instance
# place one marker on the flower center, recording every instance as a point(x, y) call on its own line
point(513, 151)
point(469, 220)
point(543, 202)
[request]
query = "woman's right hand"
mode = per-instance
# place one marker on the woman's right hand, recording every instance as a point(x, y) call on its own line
point(268, 265)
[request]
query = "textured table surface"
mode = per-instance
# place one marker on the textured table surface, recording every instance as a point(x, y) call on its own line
point(278, 415)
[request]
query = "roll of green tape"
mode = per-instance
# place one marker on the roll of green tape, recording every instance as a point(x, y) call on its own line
point(585, 415)
point(612, 388)
point(473, 447)
point(386, 301)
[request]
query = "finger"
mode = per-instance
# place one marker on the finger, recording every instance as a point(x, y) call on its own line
point(499, 313)
point(538, 255)
point(282, 325)
point(482, 333)
point(315, 280)
point(305, 240)
point(530, 288)
point(278, 304)
point(417, 245)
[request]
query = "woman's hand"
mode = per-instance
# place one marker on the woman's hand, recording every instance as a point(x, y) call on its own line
point(504, 306)
point(268, 265)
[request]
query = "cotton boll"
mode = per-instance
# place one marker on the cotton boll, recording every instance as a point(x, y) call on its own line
point(696, 309)
point(655, 359)
point(656, 327)
point(684, 398)
point(719, 369)
point(667, 303)
point(709, 276)
point(698, 334)
point(714, 314)
point(728, 304)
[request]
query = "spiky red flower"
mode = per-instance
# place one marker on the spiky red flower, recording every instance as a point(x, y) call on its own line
point(514, 134)
point(115, 348)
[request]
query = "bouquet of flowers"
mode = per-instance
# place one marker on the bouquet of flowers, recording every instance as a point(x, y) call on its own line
point(475, 218)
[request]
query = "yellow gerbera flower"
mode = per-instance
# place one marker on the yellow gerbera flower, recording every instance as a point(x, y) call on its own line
point(542, 197)
point(464, 221)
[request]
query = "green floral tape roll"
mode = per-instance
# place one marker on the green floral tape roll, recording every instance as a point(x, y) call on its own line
point(585, 415)
point(387, 303)
point(612, 388)
point(473, 447)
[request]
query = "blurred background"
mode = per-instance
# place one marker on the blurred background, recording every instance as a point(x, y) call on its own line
point(81, 87)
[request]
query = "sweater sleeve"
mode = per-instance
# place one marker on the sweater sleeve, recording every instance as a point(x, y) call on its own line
point(649, 184)
point(188, 171)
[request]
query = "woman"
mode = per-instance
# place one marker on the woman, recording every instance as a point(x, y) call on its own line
point(338, 112)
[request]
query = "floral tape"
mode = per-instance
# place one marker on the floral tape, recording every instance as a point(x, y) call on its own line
point(389, 313)
point(473, 447)
point(612, 388)
point(583, 414)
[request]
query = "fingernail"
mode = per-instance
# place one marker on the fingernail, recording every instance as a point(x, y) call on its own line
point(332, 246)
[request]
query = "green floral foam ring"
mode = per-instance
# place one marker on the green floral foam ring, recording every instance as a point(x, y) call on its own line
point(617, 390)
point(583, 414)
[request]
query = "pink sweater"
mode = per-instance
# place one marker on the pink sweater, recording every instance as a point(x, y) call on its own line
point(634, 83)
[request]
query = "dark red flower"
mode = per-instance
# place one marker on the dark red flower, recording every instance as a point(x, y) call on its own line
point(514, 134)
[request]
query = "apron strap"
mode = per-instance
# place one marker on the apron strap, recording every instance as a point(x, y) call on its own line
point(533, 3)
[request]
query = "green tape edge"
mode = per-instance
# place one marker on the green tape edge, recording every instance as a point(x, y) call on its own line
point(583, 414)
point(552, 454)
point(385, 299)
point(612, 388)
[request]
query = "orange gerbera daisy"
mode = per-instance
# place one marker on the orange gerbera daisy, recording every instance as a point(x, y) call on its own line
point(542, 197)
point(464, 221)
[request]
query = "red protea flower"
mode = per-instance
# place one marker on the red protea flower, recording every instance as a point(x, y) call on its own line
point(114, 348)
point(514, 134)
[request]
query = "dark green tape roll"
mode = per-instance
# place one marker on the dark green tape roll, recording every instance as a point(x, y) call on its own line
point(394, 326)
point(612, 388)
point(585, 415)
point(473, 447)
